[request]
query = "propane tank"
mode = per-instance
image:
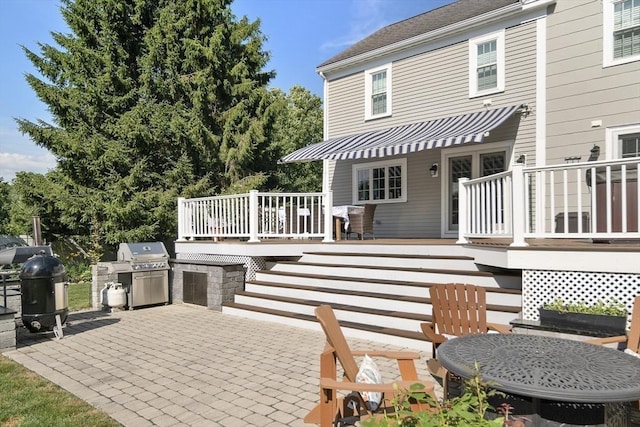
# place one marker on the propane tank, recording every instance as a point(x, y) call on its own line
point(113, 295)
point(116, 296)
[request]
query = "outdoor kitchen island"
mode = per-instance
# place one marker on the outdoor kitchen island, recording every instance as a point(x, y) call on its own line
point(143, 270)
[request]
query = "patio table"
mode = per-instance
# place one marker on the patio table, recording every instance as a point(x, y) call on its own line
point(548, 368)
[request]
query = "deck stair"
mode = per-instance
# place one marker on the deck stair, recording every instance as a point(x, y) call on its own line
point(381, 297)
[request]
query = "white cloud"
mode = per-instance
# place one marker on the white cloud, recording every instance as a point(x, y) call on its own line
point(367, 17)
point(11, 163)
point(19, 154)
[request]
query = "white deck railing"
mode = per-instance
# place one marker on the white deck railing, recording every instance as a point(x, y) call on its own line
point(257, 216)
point(597, 200)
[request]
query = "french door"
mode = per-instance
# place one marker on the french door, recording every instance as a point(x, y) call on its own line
point(472, 165)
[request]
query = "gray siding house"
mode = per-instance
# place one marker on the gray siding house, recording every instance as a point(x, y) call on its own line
point(592, 80)
point(500, 143)
point(574, 74)
point(464, 58)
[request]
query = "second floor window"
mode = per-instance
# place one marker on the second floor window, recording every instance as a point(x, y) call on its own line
point(626, 28)
point(380, 182)
point(487, 68)
point(621, 26)
point(378, 92)
point(486, 64)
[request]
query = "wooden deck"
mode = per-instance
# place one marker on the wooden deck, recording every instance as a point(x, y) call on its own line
point(568, 254)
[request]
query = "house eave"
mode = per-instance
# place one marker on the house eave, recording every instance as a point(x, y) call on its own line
point(440, 33)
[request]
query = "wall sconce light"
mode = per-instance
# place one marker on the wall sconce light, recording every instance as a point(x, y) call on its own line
point(434, 170)
point(522, 159)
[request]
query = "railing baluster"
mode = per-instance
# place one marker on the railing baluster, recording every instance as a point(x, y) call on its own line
point(565, 201)
point(552, 200)
point(623, 198)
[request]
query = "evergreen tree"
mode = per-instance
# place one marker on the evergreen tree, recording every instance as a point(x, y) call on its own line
point(299, 124)
point(151, 100)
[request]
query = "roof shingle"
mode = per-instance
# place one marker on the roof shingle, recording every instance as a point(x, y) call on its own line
point(420, 24)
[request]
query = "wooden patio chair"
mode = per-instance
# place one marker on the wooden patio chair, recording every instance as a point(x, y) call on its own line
point(361, 224)
point(331, 407)
point(458, 309)
point(631, 340)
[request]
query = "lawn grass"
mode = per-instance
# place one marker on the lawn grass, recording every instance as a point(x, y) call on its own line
point(26, 399)
point(79, 296)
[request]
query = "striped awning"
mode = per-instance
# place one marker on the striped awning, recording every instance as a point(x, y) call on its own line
point(406, 139)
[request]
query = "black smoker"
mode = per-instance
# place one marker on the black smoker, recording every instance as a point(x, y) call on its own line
point(44, 289)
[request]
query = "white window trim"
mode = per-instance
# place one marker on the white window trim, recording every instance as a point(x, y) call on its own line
point(499, 37)
point(607, 37)
point(612, 136)
point(385, 163)
point(368, 89)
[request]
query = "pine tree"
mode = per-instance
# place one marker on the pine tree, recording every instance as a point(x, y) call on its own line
point(151, 100)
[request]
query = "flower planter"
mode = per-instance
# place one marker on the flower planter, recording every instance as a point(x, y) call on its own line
point(591, 324)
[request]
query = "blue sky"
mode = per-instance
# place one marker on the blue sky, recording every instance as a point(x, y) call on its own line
point(300, 35)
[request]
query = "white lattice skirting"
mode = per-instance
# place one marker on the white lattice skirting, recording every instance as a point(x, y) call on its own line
point(540, 287)
point(251, 265)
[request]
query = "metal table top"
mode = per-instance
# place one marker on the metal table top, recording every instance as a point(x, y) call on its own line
point(545, 367)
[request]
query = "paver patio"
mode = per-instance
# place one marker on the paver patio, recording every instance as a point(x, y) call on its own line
point(182, 365)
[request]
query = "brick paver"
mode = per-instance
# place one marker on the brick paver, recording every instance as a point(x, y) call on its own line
point(184, 366)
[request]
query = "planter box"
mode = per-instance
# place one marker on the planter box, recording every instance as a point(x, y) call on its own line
point(592, 324)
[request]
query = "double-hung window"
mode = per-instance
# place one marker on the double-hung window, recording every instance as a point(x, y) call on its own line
point(486, 64)
point(630, 145)
point(377, 92)
point(380, 182)
point(621, 26)
point(623, 142)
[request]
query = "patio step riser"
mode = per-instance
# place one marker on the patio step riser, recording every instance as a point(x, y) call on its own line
point(402, 275)
point(379, 288)
point(373, 248)
point(346, 285)
point(351, 316)
point(380, 320)
point(396, 262)
point(356, 300)
point(420, 345)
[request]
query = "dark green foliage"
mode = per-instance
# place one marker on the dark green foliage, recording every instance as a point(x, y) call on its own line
point(151, 100)
point(5, 206)
point(298, 126)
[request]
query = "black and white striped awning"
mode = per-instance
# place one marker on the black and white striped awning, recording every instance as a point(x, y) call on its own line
point(405, 139)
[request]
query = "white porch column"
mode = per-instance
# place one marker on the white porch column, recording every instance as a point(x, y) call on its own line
point(181, 219)
point(328, 216)
point(253, 216)
point(463, 213)
point(518, 198)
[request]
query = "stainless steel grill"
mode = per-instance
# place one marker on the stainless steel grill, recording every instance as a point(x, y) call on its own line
point(148, 266)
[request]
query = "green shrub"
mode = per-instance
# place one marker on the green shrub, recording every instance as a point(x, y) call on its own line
point(611, 308)
point(78, 271)
point(469, 410)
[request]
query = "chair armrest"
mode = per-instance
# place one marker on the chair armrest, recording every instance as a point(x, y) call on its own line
point(503, 329)
point(405, 359)
point(388, 354)
point(429, 330)
point(607, 340)
point(392, 387)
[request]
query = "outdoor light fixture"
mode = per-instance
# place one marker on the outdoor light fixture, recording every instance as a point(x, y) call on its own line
point(434, 170)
